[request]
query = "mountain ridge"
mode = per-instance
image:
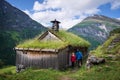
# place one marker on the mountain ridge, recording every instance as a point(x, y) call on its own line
point(15, 18)
point(95, 29)
point(102, 17)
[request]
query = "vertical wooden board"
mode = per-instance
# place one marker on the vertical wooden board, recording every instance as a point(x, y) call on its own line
point(54, 60)
point(46, 58)
point(24, 62)
point(59, 60)
point(25, 59)
point(28, 64)
point(68, 59)
point(36, 61)
point(50, 62)
point(47, 61)
point(44, 63)
point(17, 57)
point(28, 59)
point(33, 61)
point(21, 58)
point(40, 61)
point(62, 59)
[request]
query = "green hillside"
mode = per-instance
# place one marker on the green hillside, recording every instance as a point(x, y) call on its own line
point(15, 26)
point(111, 46)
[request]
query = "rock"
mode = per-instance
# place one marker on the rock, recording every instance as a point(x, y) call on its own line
point(93, 60)
point(101, 60)
point(88, 64)
point(20, 68)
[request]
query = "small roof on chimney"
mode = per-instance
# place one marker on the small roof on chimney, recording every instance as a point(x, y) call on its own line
point(55, 21)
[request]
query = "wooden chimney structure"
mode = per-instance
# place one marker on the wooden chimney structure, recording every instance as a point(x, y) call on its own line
point(55, 26)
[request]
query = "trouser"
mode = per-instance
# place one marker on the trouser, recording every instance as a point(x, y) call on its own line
point(79, 62)
point(73, 64)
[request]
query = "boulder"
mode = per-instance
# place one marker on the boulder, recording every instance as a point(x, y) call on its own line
point(20, 68)
point(93, 60)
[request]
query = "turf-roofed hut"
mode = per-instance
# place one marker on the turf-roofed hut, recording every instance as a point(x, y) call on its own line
point(51, 49)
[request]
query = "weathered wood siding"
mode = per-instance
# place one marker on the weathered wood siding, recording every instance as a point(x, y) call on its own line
point(45, 58)
point(63, 58)
point(37, 59)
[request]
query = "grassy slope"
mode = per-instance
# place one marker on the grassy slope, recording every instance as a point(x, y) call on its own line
point(66, 37)
point(108, 71)
point(103, 49)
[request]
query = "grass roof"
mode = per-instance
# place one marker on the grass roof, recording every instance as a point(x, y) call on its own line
point(67, 38)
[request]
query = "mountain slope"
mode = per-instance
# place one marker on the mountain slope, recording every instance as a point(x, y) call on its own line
point(15, 26)
point(111, 45)
point(12, 18)
point(95, 29)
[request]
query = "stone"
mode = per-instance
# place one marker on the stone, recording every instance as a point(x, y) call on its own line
point(93, 60)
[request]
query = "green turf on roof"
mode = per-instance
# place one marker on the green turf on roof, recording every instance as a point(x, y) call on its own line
point(66, 37)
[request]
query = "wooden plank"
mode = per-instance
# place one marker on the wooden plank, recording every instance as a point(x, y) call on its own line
point(37, 49)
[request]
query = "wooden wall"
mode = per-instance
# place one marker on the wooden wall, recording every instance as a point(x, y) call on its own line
point(63, 58)
point(37, 59)
point(43, 59)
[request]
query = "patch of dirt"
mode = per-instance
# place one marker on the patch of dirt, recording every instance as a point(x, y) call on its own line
point(66, 78)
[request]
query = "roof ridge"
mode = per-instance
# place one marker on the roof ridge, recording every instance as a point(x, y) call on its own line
point(45, 33)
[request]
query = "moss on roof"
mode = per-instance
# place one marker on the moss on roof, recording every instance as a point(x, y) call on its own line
point(66, 37)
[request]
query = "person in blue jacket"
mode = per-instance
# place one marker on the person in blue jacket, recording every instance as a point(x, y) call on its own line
point(79, 57)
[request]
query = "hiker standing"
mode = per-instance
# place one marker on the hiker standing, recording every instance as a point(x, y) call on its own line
point(79, 57)
point(73, 60)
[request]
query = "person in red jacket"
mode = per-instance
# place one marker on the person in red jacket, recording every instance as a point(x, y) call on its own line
point(73, 60)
